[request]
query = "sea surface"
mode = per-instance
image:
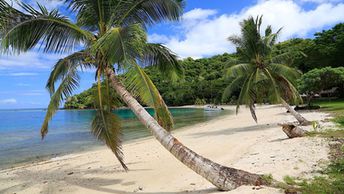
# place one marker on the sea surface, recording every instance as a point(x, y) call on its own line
point(69, 131)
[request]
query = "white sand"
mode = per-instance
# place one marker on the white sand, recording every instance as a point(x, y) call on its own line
point(233, 140)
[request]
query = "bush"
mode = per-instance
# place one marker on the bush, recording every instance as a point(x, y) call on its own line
point(200, 102)
point(317, 80)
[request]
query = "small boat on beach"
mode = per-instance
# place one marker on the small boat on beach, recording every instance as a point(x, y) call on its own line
point(212, 108)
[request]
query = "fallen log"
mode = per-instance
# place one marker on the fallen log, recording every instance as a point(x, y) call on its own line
point(292, 129)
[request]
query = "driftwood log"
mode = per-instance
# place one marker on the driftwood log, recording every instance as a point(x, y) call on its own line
point(292, 129)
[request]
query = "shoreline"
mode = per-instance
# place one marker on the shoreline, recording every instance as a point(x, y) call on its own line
point(258, 148)
point(38, 159)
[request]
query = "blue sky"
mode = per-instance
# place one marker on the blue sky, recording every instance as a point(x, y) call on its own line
point(201, 33)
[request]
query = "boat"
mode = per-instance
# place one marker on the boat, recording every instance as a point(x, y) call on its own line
point(212, 108)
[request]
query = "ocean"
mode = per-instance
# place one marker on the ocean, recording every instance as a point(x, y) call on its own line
point(69, 131)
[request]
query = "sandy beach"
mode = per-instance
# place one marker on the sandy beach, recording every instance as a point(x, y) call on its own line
point(232, 140)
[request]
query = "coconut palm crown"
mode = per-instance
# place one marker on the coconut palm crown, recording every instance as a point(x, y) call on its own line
point(107, 35)
point(262, 75)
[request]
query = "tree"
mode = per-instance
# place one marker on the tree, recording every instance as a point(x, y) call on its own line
point(317, 80)
point(330, 44)
point(264, 77)
point(325, 50)
point(112, 34)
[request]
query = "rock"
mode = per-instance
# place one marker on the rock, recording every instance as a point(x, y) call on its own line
point(192, 183)
point(70, 173)
point(140, 188)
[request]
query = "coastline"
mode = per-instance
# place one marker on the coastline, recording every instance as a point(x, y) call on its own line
point(259, 148)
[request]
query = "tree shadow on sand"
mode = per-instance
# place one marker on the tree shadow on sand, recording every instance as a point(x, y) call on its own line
point(230, 131)
point(56, 180)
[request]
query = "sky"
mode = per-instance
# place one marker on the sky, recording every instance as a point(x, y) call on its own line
point(202, 32)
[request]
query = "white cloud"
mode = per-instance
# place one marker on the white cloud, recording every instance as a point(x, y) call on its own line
point(49, 4)
point(320, 1)
point(22, 84)
point(199, 14)
point(22, 74)
point(204, 33)
point(8, 101)
point(30, 59)
point(157, 38)
point(33, 93)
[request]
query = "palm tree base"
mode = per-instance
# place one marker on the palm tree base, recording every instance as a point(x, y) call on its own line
point(292, 130)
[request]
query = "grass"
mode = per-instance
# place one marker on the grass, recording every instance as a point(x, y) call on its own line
point(328, 134)
point(331, 179)
point(336, 107)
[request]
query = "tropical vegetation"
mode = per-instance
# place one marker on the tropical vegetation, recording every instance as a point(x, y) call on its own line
point(111, 36)
point(317, 80)
point(256, 68)
point(204, 79)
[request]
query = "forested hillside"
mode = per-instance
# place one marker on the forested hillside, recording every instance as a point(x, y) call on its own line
point(204, 79)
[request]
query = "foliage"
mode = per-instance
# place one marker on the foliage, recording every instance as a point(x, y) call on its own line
point(112, 35)
point(331, 180)
point(202, 79)
point(87, 99)
point(200, 102)
point(336, 107)
point(326, 49)
point(257, 67)
point(326, 78)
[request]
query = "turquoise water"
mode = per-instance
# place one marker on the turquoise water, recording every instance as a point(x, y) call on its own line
point(69, 131)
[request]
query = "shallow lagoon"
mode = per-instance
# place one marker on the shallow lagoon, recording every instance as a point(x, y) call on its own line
point(69, 131)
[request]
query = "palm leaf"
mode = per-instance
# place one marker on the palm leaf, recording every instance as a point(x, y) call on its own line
point(106, 127)
point(121, 44)
point(240, 70)
point(148, 12)
point(74, 61)
point(233, 86)
point(161, 57)
point(290, 73)
point(49, 30)
point(69, 83)
point(97, 14)
point(140, 85)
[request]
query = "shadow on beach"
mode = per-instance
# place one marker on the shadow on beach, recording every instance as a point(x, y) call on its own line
point(58, 180)
point(230, 131)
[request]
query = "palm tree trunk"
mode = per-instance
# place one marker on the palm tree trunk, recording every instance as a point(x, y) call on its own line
point(303, 121)
point(224, 178)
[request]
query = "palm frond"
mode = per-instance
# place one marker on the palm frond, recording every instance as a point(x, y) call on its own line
point(95, 14)
point(121, 44)
point(288, 90)
point(233, 86)
point(77, 60)
point(140, 85)
point(275, 96)
point(290, 73)
point(164, 59)
point(49, 30)
point(240, 70)
point(106, 127)
point(68, 84)
point(253, 112)
point(247, 94)
point(148, 12)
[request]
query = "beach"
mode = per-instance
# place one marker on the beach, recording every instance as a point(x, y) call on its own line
point(231, 140)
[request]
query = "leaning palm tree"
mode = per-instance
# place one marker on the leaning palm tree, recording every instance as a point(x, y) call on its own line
point(263, 77)
point(111, 37)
